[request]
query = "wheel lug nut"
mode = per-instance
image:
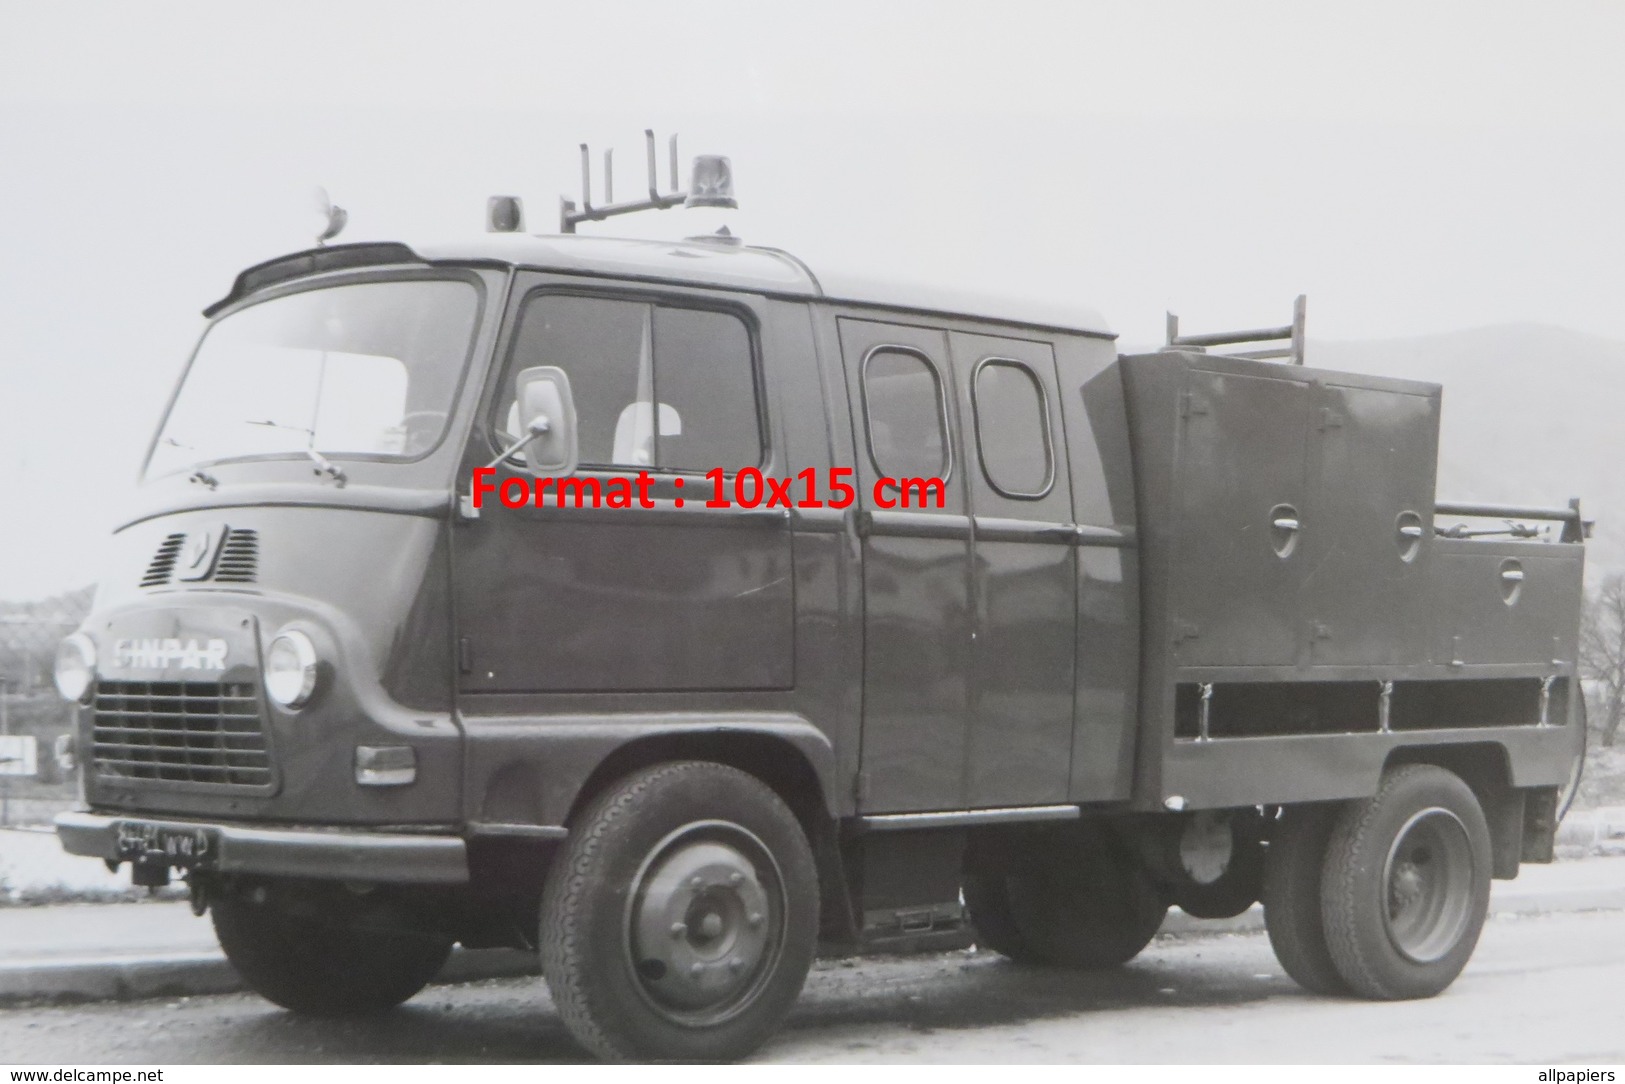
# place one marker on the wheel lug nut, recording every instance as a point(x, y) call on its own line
point(696, 970)
point(696, 883)
point(678, 929)
point(755, 919)
point(736, 879)
point(735, 963)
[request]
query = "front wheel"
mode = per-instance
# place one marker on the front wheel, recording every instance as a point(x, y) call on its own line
point(324, 967)
point(1407, 884)
point(680, 920)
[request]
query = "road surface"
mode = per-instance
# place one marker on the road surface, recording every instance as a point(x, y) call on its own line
point(1543, 990)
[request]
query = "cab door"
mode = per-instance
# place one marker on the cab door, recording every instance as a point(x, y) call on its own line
point(916, 569)
point(1024, 578)
point(677, 597)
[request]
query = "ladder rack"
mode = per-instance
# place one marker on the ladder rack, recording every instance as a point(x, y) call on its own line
point(1292, 333)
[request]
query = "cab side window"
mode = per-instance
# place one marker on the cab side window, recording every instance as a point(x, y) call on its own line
point(654, 385)
point(703, 373)
point(903, 399)
point(1012, 429)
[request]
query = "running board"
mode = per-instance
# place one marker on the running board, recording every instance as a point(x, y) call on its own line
point(964, 818)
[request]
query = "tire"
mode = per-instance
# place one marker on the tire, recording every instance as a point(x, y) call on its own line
point(1080, 901)
point(323, 968)
point(1292, 896)
point(1571, 787)
point(1234, 889)
point(987, 898)
point(679, 921)
point(1407, 885)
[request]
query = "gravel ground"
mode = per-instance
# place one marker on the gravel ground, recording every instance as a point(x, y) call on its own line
point(1540, 991)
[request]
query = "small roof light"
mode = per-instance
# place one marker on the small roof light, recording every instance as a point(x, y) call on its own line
point(504, 214)
point(712, 182)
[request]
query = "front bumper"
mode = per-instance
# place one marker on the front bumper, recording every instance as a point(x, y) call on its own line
point(338, 854)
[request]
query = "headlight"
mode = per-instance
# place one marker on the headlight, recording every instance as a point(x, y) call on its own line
point(75, 666)
point(290, 669)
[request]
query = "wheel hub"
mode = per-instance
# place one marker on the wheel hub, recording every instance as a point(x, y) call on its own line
point(701, 925)
point(1428, 879)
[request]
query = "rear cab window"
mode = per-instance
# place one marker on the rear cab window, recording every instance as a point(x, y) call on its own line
point(907, 415)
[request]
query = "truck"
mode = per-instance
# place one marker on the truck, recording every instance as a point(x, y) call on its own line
point(680, 612)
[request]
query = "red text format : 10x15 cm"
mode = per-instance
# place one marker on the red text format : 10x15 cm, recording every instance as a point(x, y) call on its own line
point(748, 488)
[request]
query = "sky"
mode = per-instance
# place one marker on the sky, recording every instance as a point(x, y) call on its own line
point(1413, 167)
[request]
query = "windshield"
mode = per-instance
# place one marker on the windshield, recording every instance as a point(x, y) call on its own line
point(366, 370)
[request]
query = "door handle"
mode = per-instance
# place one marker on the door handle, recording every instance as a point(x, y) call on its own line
point(1284, 528)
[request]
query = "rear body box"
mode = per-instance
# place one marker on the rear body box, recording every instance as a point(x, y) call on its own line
point(1301, 618)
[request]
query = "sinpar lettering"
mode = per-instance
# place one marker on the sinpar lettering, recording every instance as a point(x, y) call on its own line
point(158, 654)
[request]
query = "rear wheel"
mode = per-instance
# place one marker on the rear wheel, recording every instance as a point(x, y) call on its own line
point(1292, 897)
point(680, 920)
point(322, 967)
point(1407, 884)
point(1571, 786)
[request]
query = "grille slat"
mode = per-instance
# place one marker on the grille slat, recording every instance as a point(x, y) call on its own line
point(239, 557)
point(163, 562)
point(181, 732)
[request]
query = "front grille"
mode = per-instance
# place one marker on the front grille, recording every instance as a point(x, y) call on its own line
point(180, 732)
point(239, 557)
point(163, 562)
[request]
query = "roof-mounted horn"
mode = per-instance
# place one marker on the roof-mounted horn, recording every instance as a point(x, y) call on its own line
point(712, 186)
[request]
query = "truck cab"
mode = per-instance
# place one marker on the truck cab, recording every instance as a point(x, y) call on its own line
point(848, 616)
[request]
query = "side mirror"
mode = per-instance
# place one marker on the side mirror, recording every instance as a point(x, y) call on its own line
point(547, 413)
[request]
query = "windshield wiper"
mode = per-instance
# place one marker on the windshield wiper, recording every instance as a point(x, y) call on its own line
point(324, 465)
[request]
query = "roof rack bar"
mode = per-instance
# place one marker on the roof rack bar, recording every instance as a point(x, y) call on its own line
point(1575, 528)
point(1224, 338)
point(1261, 355)
point(586, 180)
point(654, 174)
point(1293, 332)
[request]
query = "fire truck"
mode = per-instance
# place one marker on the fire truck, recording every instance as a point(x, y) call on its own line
point(1186, 628)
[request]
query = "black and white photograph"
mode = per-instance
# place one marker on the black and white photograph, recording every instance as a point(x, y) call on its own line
point(1072, 534)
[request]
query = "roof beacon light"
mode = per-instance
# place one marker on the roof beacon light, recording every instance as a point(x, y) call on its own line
point(712, 183)
point(712, 186)
point(504, 214)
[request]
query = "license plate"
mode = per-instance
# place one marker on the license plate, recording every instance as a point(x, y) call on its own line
point(179, 846)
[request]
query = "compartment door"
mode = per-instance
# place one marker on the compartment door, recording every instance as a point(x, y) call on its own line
point(1371, 543)
point(1241, 494)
